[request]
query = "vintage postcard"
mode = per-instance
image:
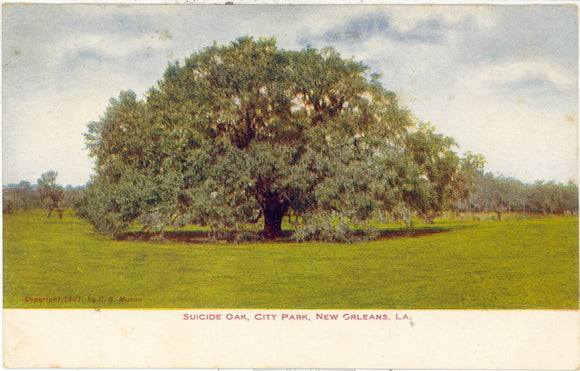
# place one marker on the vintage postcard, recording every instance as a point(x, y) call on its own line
point(290, 185)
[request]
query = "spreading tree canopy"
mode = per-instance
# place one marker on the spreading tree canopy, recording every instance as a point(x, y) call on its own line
point(248, 131)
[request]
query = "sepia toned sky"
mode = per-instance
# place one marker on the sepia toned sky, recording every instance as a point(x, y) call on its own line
point(501, 80)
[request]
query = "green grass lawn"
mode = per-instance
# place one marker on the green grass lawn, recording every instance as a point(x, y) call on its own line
point(517, 263)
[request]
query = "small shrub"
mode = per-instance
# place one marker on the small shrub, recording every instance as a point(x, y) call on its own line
point(332, 230)
point(246, 236)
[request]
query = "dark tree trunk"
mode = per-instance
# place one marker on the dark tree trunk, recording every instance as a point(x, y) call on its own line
point(273, 215)
point(274, 207)
point(498, 215)
point(273, 210)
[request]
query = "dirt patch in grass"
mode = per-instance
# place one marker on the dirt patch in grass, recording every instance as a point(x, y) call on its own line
point(237, 236)
point(385, 234)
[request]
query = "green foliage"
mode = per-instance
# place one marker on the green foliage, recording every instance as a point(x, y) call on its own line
point(72, 196)
point(50, 192)
point(549, 197)
point(500, 194)
point(22, 196)
point(470, 169)
point(322, 227)
point(26, 196)
point(530, 263)
point(248, 129)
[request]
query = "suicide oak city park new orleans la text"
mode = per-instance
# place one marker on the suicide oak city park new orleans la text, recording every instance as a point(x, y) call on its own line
point(296, 317)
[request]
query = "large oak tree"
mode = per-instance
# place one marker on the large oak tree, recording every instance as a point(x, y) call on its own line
point(249, 130)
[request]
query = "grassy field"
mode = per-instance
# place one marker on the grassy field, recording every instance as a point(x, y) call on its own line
point(518, 263)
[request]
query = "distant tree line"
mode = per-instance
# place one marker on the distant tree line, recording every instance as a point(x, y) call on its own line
point(46, 194)
point(478, 192)
point(499, 194)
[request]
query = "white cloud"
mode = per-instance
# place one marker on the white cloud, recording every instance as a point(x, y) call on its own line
point(518, 73)
point(115, 46)
point(405, 19)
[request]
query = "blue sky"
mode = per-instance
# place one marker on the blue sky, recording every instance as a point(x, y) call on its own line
point(501, 80)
